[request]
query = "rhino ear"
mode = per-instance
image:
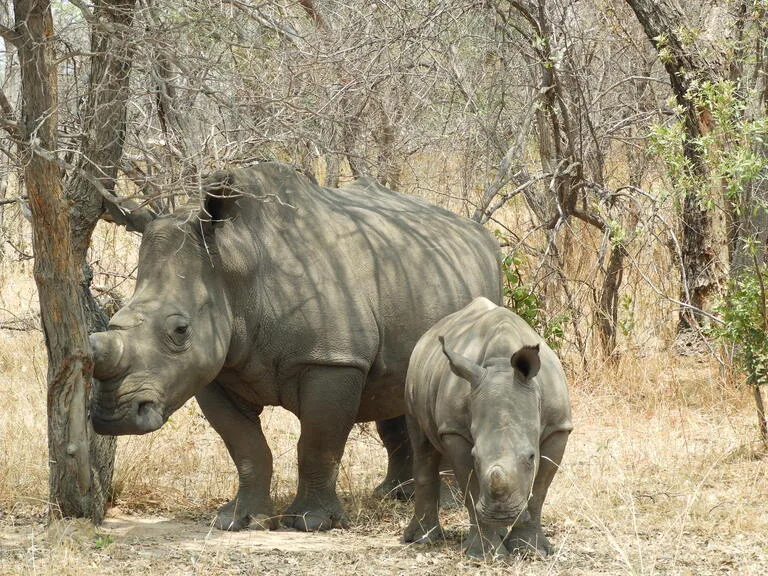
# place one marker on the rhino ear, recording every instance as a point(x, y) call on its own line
point(527, 361)
point(219, 196)
point(463, 367)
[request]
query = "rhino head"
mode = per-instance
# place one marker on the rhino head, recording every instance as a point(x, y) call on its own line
point(171, 338)
point(504, 409)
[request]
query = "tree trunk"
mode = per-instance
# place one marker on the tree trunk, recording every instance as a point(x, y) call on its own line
point(607, 314)
point(104, 117)
point(81, 462)
point(57, 274)
point(101, 151)
point(704, 230)
point(759, 391)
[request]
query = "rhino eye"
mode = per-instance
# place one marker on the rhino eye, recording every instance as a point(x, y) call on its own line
point(178, 331)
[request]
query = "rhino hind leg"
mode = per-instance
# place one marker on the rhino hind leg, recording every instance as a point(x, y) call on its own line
point(424, 527)
point(329, 399)
point(244, 439)
point(397, 484)
point(529, 538)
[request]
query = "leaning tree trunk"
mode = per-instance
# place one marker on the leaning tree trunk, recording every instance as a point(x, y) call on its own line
point(704, 230)
point(57, 274)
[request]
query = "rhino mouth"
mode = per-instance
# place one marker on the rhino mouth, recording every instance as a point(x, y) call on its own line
point(505, 515)
point(139, 417)
point(115, 413)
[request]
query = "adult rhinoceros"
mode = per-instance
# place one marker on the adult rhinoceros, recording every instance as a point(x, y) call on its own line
point(281, 292)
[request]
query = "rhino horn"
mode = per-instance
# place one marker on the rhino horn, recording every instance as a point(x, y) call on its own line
point(107, 351)
point(463, 366)
point(527, 361)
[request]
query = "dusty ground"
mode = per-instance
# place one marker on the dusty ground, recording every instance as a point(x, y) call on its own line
point(153, 544)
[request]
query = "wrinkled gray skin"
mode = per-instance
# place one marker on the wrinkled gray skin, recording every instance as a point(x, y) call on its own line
point(281, 292)
point(486, 391)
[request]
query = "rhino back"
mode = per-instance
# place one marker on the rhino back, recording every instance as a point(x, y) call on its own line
point(347, 276)
point(480, 331)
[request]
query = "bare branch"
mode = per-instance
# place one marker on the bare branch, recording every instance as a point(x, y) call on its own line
point(125, 213)
point(87, 14)
point(9, 35)
point(13, 200)
point(8, 112)
point(504, 172)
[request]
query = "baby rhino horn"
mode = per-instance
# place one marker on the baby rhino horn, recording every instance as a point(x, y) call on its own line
point(463, 367)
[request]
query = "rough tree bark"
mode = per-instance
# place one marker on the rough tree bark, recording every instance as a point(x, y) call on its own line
point(81, 462)
point(704, 231)
point(57, 274)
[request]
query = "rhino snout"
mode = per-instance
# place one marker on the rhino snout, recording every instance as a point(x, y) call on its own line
point(107, 351)
point(505, 489)
point(498, 483)
point(501, 477)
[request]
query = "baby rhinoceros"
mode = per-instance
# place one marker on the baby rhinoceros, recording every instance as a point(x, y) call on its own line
point(485, 391)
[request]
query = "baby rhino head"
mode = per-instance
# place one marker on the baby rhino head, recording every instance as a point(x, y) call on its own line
point(505, 424)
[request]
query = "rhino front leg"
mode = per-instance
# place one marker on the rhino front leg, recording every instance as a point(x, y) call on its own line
point(425, 524)
point(329, 398)
point(394, 436)
point(529, 537)
point(484, 540)
point(242, 434)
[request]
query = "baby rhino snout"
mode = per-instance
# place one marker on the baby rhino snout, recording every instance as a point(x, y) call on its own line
point(502, 477)
point(498, 483)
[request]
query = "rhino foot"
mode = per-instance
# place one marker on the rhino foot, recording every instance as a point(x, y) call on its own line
point(312, 517)
point(527, 540)
point(395, 489)
point(419, 533)
point(233, 517)
point(488, 546)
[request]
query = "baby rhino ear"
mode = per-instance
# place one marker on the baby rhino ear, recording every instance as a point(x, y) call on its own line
point(527, 361)
point(463, 367)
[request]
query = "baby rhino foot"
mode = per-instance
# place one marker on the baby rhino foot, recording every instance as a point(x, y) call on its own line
point(233, 516)
point(526, 541)
point(489, 546)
